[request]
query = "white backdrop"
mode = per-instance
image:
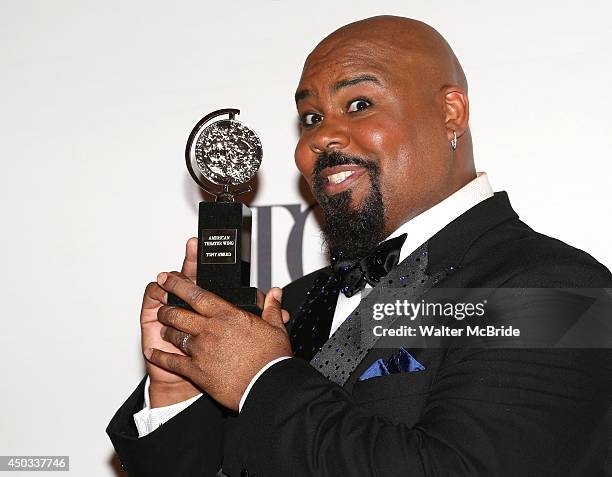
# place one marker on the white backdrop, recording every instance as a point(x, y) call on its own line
point(97, 99)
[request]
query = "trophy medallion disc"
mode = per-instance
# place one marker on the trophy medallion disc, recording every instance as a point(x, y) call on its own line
point(227, 152)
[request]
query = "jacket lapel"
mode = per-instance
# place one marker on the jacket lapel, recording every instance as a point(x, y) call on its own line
point(353, 340)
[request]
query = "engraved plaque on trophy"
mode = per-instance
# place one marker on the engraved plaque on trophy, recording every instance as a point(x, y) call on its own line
point(221, 156)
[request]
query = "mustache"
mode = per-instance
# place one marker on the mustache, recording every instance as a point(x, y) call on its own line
point(337, 158)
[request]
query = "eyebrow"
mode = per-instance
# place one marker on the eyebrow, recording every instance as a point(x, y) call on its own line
point(304, 93)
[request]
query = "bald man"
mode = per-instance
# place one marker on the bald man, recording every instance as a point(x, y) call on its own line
point(386, 149)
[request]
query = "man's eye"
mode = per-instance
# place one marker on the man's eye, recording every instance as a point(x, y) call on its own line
point(310, 119)
point(359, 105)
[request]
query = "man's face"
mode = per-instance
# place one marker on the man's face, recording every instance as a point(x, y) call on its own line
point(358, 100)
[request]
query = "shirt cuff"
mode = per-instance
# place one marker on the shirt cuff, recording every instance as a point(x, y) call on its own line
point(147, 420)
point(256, 377)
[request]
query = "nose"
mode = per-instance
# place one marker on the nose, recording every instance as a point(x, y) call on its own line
point(329, 135)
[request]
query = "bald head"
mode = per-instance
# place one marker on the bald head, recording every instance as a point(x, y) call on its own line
point(411, 44)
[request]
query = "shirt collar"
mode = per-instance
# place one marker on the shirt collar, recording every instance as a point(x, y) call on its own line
point(425, 225)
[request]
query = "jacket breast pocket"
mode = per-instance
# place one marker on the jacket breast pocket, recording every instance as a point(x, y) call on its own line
point(400, 397)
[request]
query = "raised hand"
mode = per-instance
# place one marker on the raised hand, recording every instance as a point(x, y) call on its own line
point(224, 345)
point(166, 387)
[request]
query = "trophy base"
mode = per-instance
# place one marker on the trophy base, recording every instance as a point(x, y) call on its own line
point(224, 249)
point(243, 297)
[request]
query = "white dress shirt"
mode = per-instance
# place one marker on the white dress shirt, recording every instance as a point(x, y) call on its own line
point(418, 230)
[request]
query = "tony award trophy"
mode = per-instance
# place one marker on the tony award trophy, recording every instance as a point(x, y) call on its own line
point(221, 156)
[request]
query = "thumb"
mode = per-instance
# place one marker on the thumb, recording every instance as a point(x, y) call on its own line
point(190, 263)
point(272, 313)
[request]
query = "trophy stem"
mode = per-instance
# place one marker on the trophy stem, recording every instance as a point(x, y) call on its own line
point(225, 195)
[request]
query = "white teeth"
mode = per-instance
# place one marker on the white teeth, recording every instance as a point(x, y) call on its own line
point(339, 177)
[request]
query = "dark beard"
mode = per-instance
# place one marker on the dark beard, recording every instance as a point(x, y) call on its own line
point(348, 232)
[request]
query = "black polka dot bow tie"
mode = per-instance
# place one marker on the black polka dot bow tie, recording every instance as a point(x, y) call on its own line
point(353, 275)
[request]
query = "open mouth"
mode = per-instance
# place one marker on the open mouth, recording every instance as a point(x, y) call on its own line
point(339, 178)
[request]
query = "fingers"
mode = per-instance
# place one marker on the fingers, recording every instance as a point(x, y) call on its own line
point(202, 301)
point(208, 305)
point(190, 262)
point(272, 312)
point(178, 338)
point(170, 361)
point(153, 296)
point(181, 319)
point(286, 316)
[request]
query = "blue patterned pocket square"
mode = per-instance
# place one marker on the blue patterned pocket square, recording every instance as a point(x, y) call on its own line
point(400, 362)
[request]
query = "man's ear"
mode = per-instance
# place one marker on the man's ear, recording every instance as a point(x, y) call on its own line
point(456, 110)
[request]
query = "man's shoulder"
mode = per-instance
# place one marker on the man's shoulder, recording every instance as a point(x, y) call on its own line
point(528, 258)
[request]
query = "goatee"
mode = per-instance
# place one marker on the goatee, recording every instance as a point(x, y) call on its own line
point(350, 232)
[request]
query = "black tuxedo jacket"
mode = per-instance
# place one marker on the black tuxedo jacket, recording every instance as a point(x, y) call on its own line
point(472, 412)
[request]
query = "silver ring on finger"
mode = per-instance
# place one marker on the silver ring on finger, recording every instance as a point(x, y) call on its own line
point(184, 342)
